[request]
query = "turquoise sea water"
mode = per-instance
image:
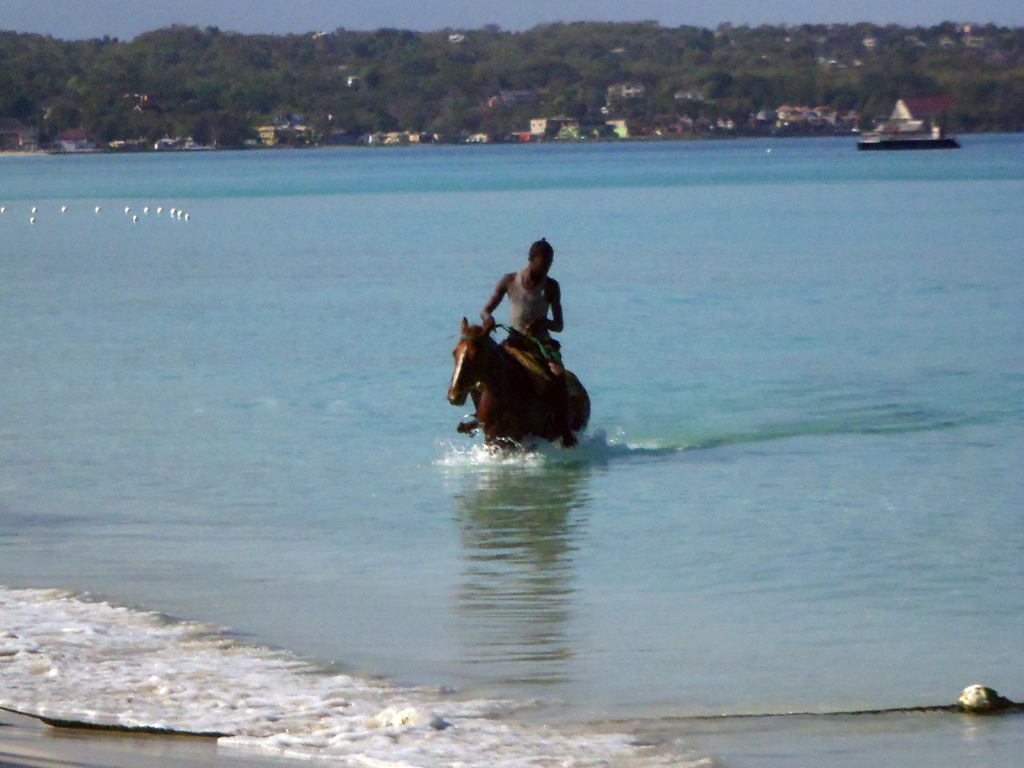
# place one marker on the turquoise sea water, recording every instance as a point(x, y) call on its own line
point(802, 489)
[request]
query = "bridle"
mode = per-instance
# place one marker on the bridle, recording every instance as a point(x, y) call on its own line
point(458, 390)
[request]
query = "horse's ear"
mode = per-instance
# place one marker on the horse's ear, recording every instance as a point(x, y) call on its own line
point(489, 325)
point(465, 326)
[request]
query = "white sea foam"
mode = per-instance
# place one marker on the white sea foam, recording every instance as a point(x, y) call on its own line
point(593, 448)
point(67, 658)
point(476, 455)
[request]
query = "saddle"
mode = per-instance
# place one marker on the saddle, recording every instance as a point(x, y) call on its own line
point(535, 365)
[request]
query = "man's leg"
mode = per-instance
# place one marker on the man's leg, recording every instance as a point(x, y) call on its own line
point(560, 403)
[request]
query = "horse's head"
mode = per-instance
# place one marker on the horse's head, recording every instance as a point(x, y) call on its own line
point(469, 355)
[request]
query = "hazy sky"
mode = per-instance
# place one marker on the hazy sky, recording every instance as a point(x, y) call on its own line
point(76, 19)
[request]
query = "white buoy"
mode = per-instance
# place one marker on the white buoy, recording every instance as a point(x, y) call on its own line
point(159, 209)
point(32, 220)
point(769, 150)
point(186, 217)
point(172, 211)
point(33, 209)
point(146, 210)
point(97, 209)
point(127, 209)
point(135, 219)
point(981, 700)
point(3, 209)
point(63, 209)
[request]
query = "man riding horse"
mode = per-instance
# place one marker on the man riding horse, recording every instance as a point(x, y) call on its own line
point(530, 293)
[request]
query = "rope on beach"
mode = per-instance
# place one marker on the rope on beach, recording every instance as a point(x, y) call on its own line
point(149, 730)
point(975, 700)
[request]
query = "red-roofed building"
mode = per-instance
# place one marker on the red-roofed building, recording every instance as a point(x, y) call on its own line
point(73, 140)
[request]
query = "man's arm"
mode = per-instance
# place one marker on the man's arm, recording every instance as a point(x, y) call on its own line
point(499, 293)
point(554, 294)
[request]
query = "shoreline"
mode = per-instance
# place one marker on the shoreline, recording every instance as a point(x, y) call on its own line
point(684, 139)
point(360, 145)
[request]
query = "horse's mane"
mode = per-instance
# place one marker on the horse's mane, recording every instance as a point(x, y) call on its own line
point(510, 364)
point(476, 332)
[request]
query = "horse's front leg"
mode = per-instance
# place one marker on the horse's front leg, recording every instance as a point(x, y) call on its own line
point(468, 426)
point(491, 417)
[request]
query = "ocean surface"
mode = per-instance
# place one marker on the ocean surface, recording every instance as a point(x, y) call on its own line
point(232, 497)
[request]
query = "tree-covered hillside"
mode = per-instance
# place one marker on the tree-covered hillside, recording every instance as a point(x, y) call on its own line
point(219, 86)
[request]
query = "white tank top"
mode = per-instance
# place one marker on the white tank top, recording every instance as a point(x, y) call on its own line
point(526, 306)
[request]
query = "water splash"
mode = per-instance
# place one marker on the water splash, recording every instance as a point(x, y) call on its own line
point(593, 449)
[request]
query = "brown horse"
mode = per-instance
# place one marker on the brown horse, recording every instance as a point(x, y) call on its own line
point(509, 390)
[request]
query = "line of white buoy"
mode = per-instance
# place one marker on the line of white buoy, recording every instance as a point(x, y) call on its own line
point(176, 213)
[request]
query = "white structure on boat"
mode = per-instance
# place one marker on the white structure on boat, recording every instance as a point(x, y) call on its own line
point(918, 115)
point(915, 123)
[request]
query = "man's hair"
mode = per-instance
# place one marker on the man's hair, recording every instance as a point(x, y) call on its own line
point(542, 248)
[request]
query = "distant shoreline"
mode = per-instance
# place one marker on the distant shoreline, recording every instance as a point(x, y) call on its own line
point(575, 81)
point(375, 146)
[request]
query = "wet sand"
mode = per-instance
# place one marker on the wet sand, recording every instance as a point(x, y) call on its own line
point(28, 743)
